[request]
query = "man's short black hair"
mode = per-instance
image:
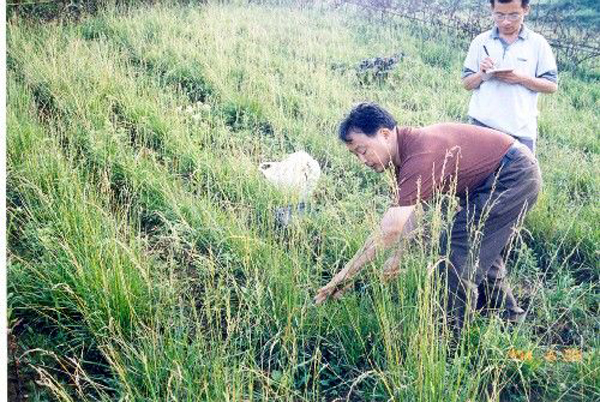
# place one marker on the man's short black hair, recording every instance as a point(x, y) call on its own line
point(367, 118)
point(524, 3)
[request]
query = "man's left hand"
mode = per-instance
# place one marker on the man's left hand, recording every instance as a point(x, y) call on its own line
point(510, 77)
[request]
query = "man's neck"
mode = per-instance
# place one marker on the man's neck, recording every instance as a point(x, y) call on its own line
point(512, 37)
point(396, 157)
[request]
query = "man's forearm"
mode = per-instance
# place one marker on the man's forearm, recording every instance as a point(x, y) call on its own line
point(542, 85)
point(365, 255)
point(473, 81)
point(539, 85)
point(391, 227)
point(377, 242)
point(390, 267)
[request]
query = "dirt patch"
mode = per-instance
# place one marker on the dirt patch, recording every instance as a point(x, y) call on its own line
point(17, 375)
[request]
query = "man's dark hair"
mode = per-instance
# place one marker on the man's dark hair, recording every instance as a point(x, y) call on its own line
point(524, 3)
point(367, 118)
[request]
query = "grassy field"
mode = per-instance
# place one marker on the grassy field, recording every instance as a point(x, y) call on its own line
point(144, 259)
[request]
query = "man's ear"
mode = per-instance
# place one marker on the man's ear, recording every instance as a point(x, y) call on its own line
point(526, 10)
point(386, 132)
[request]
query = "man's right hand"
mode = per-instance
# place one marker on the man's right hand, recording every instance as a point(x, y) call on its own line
point(486, 64)
point(332, 290)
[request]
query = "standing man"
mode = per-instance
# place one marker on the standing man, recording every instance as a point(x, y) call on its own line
point(496, 178)
point(507, 67)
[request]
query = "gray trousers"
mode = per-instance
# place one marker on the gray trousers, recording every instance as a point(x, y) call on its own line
point(530, 143)
point(480, 232)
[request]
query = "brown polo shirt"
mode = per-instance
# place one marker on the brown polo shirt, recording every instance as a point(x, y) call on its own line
point(440, 156)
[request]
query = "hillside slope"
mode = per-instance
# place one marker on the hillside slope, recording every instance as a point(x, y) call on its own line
point(145, 262)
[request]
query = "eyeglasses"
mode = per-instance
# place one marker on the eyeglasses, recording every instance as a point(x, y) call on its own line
point(510, 17)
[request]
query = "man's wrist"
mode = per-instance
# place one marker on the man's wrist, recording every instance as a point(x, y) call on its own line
point(483, 76)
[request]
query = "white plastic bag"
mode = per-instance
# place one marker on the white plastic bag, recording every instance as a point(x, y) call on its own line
point(297, 174)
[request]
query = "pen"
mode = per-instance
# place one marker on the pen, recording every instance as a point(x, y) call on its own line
point(486, 52)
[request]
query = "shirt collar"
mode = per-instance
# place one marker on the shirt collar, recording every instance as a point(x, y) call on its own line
point(401, 133)
point(523, 32)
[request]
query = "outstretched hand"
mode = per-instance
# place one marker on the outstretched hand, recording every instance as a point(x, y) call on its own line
point(331, 290)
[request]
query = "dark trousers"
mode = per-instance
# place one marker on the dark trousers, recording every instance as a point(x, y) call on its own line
point(480, 232)
point(530, 143)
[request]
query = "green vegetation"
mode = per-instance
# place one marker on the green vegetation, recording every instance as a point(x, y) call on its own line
point(144, 259)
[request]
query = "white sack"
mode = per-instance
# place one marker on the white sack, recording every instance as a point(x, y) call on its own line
point(297, 174)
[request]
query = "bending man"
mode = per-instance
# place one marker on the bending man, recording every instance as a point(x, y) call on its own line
point(496, 178)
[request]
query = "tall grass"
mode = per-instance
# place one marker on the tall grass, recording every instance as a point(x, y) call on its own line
point(145, 262)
